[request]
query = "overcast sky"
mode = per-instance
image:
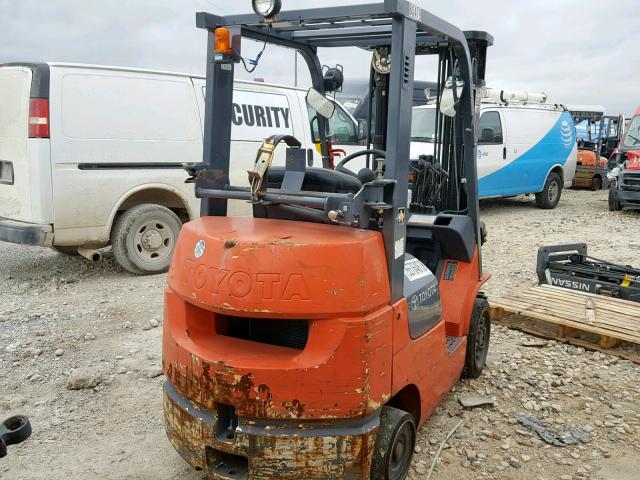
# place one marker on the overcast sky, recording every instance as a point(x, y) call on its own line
point(577, 51)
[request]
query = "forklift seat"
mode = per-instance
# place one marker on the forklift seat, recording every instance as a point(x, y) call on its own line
point(317, 180)
point(587, 145)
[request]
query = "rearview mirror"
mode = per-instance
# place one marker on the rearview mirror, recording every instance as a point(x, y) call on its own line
point(448, 99)
point(320, 103)
point(363, 128)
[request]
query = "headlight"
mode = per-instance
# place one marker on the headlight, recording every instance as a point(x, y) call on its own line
point(267, 8)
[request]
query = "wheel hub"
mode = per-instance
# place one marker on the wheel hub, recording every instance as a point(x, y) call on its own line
point(398, 452)
point(480, 346)
point(400, 458)
point(151, 240)
point(482, 342)
point(553, 191)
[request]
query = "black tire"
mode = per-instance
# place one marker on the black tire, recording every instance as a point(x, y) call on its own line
point(71, 251)
point(394, 447)
point(144, 238)
point(15, 430)
point(614, 203)
point(596, 183)
point(550, 195)
point(478, 339)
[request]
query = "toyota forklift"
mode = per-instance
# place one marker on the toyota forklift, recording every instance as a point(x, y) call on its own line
point(312, 340)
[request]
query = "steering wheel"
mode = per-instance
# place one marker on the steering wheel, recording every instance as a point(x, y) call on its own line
point(372, 151)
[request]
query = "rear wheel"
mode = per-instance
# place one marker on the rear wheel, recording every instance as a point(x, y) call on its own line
point(614, 203)
point(596, 183)
point(478, 339)
point(549, 197)
point(394, 445)
point(144, 238)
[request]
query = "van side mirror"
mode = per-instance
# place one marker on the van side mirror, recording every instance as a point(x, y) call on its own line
point(613, 162)
point(363, 129)
point(320, 104)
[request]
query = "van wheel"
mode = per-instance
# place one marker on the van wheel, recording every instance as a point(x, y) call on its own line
point(614, 204)
point(71, 251)
point(596, 183)
point(478, 339)
point(395, 442)
point(144, 237)
point(550, 195)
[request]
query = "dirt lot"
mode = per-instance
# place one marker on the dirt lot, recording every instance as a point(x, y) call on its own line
point(62, 319)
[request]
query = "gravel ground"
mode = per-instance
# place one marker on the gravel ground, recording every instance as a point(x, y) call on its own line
point(67, 324)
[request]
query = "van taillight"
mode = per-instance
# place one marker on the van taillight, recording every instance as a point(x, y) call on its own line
point(39, 118)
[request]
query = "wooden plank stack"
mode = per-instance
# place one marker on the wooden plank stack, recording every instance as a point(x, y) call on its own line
point(596, 322)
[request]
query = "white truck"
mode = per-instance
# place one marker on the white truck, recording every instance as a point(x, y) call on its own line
point(525, 146)
point(92, 155)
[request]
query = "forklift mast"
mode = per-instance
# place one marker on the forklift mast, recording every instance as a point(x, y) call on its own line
point(405, 30)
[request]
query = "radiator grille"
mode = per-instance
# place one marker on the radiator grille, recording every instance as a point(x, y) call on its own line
point(631, 179)
point(281, 333)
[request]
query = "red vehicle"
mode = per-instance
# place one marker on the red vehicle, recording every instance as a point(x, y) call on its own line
point(626, 169)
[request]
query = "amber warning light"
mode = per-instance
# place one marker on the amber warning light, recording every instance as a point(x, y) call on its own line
point(223, 41)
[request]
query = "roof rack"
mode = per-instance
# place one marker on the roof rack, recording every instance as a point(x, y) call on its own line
point(492, 95)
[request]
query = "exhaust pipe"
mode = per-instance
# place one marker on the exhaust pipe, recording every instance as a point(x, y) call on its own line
point(90, 254)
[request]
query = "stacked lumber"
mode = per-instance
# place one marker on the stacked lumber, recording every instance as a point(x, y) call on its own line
point(596, 322)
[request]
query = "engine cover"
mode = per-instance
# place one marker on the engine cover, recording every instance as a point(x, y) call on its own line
point(279, 268)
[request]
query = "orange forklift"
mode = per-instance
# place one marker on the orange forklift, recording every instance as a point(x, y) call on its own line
point(312, 340)
point(601, 138)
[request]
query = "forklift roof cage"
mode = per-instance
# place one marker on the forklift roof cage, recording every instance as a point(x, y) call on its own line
point(407, 30)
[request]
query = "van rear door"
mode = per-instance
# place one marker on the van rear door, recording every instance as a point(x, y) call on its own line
point(15, 198)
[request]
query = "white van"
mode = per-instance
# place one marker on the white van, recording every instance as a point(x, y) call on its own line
point(522, 149)
point(92, 155)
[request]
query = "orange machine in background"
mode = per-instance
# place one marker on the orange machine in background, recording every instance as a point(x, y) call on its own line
point(596, 145)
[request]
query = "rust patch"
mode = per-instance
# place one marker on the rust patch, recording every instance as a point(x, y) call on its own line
point(208, 383)
point(295, 409)
point(226, 306)
point(186, 436)
point(282, 456)
point(281, 243)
